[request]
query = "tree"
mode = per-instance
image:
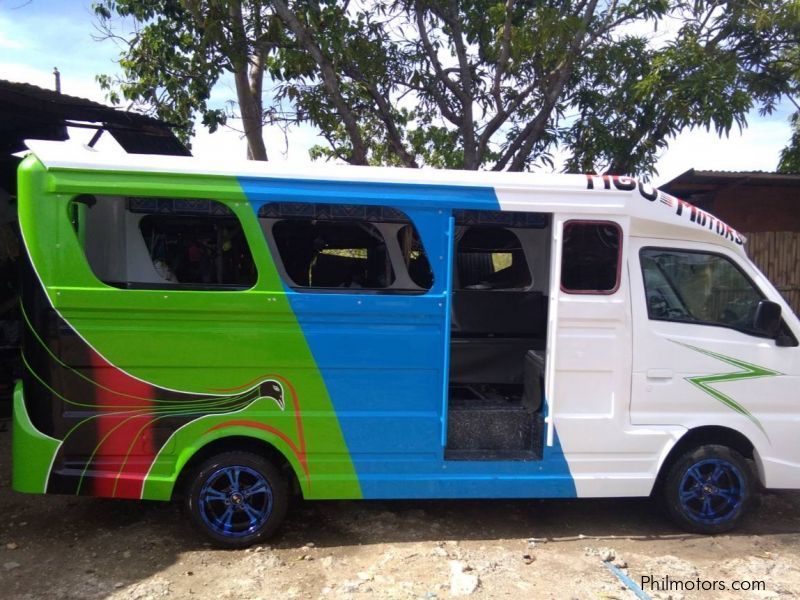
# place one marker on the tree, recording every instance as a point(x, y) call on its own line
point(181, 48)
point(790, 65)
point(790, 156)
point(487, 80)
point(501, 84)
point(719, 65)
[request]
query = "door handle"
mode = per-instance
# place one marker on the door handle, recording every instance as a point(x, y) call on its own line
point(662, 374)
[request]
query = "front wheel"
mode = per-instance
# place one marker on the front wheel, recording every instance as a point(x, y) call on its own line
point(237, 498)
point(709, 489)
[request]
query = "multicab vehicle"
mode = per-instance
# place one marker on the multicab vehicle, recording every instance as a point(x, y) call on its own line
point(236, 336)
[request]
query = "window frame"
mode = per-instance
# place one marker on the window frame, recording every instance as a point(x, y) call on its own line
point(735, 264)
point(415, 231)
point(618, 275)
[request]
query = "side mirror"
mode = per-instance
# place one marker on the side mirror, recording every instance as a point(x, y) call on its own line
point(767, 319)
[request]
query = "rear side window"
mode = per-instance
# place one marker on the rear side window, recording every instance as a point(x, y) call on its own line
point(199, 252)
point(163, 243)
point(590, 259)
point(697, 287)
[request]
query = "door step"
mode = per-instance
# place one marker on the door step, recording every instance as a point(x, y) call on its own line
point(499, 430)
point(491, 455)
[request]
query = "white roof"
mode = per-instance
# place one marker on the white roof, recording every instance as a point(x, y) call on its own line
point(69, 155)
point(663, 216)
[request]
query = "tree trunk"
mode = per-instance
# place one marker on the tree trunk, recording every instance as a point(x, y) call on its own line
point(251, 108)
point(248, 75)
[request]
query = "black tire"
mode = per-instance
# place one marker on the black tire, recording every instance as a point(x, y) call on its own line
point(709, 489)
point(237, 498)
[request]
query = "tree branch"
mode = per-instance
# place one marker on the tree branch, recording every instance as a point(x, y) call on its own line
point(500, 117)
point(385, 115)
point(502, 60)
point(329, 79)
point(394, 135)
point(522, 146)
point(467, 99)
point(431, 53)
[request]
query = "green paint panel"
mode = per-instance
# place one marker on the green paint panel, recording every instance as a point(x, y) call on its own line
point(32, 451)
point(192, 341)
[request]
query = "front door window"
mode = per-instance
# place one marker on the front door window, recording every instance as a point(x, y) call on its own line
point(697, 287)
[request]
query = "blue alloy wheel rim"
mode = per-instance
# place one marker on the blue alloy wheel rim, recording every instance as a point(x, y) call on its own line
point(235, 501)
point(711, 491)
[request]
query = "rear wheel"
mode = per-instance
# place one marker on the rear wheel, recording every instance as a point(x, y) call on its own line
point(237, 498)
point(709, 489)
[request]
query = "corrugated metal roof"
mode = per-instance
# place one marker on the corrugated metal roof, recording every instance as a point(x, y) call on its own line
point(30, 111)
point(696, 181)
point(33, 97)
point(747, 173)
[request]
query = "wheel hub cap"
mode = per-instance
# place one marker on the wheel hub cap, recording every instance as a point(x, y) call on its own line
point(712, 491)
point(235, 501)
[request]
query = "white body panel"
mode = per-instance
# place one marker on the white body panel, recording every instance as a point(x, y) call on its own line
point(666, 356)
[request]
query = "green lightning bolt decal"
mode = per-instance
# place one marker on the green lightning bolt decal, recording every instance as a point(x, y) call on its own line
point(749, 371)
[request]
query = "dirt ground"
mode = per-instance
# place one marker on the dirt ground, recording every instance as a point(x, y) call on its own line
point(66, 547)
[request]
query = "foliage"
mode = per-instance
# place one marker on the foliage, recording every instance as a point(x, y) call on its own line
point(178, 52)
point(500, 84)
point(790, 156)
point(725, 59)
point(788, 71)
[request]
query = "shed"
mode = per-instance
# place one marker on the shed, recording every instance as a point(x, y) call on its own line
point(32, 112)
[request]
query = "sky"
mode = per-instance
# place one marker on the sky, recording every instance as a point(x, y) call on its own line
point(38, 35)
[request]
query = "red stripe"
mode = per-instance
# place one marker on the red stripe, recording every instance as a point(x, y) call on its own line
point(125, 448)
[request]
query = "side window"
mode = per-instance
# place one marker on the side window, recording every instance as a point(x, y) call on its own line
point(490, 258)
point(590, 259)
point(346, 247)
point(163, 243)
point(199, 252)
point(324, 254)
point(697, 287)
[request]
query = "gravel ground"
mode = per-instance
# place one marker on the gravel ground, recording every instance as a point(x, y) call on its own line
point(66, 547)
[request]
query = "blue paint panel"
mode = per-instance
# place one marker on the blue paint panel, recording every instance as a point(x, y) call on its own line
point(448, 308)
point(261, 190)
point(382, 358)
point(418, 477)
